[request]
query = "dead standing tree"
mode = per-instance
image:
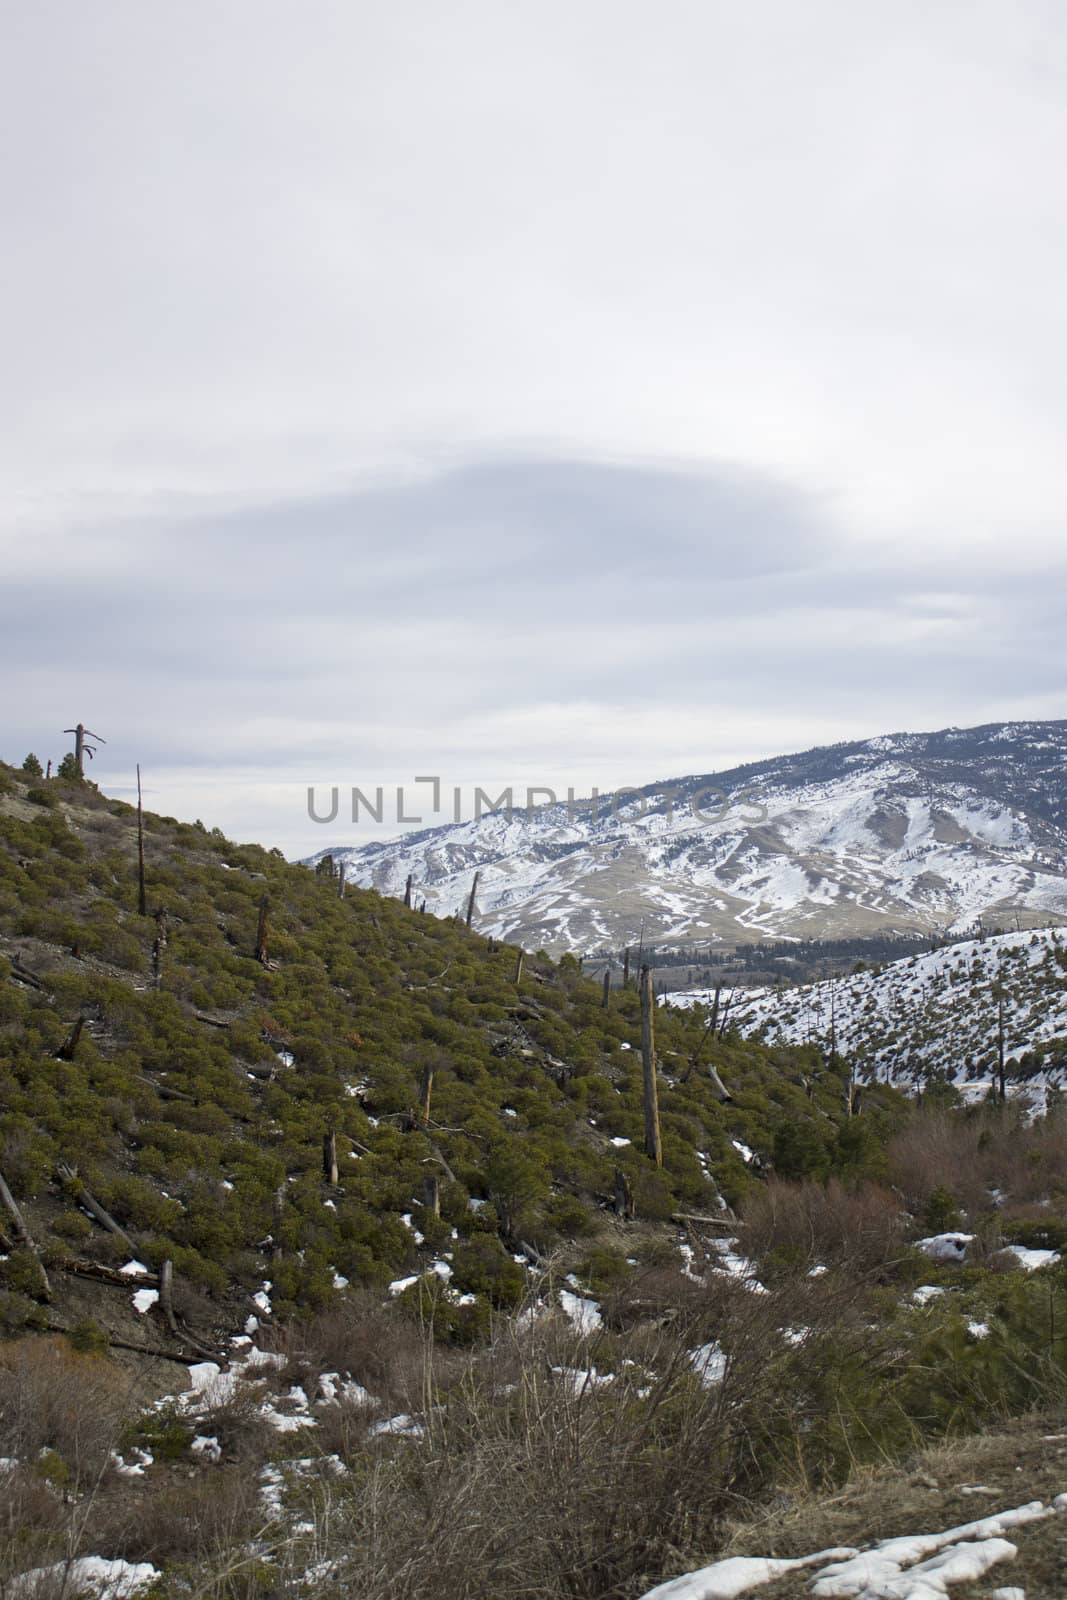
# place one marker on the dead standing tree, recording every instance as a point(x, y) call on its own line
point(470, 902)
point(653, 1142)
point(142, 903)
point(263, 930)
point(82, 748)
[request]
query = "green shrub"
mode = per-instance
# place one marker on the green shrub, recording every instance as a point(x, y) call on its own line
point(89, 1338)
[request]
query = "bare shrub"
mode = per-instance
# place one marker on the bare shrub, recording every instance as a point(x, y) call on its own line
point(971, 1156)
point(374, 1344)
point(52, 1398)
point(183, 1519)
point(800, 1225)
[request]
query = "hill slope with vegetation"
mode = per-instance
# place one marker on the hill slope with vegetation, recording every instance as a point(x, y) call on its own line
point(333, 1261)
point(192, 1085)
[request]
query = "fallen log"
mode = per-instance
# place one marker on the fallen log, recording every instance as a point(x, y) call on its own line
point(94, 1208)
point(23, 1234)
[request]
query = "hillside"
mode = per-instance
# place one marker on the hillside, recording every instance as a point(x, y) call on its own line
point(937, 1014)
point(194, 1105)
point(498, 1352)
point(903, 833)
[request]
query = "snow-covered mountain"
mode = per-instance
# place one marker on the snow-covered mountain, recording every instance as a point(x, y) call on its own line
point(907, 832)
point(938, 1011)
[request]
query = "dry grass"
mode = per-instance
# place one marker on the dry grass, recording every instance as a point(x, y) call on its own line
point(970, 1156)
point(924, 1494)
point(808, 1224)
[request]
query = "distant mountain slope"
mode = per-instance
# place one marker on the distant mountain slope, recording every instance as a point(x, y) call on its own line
point(908, 832)
point(934, 1012)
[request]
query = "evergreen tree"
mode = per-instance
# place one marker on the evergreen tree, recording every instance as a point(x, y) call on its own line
point(32, 766)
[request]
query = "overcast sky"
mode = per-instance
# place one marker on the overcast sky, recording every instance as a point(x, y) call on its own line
point(524, 393)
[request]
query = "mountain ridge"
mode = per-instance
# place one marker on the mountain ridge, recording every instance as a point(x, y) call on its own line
point(909, 832)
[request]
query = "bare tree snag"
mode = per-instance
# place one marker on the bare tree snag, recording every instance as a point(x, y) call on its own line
point(23, 1234)
point(278, 1217)
point(340, 880)
point(607, 988)
point(166, 1296)
point(470, 902)
point(1001, 1073)
point(263, 930)
point(329, 1157)
point(142, 904)
point(425, 1092)
point(407, 890)
point(82, 747)
point(626, 969)
point(726, 1012)
point(653, 1142)
point(431, 1194)
point(519, 960)
point(720, 1088)
point(443, 1164)
point(624, 1195)
point(70, 1044)
point(82, 1196)
point(713, 1026)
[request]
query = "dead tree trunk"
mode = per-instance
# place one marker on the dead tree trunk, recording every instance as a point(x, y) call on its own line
point(653, 1142)
point(607, 988)
point(519, 960)
point(68, 1047)
point(720, 1088)
point(94, 1208)
point(263, 930)
point(624, 1195)
point(23, 1234)
point(341, 880)
point(714, 1025)
point(470, 902)
point(1001, 1071)
point(431, 1194)
point(626, 969)
point(329, 1158)
point(407, 891)
point(278, 1218)
point(426, 1091)
point(166, 1296)
point(142, 903)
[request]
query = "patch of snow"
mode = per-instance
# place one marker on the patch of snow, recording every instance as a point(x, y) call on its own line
point(206, 1445)
point(945, 1246)
point(145, 1299)
point(1030, 1260)
point(403, 1427)
point(584, 1314)
point(580, 1381)
point(398, 1285)
point(90, 1575)
point(135, 1269)
point(724, 1580)
point(709, 1363)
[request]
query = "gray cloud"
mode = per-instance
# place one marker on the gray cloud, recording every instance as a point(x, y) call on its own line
point(377, 630)
point(625, 389)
